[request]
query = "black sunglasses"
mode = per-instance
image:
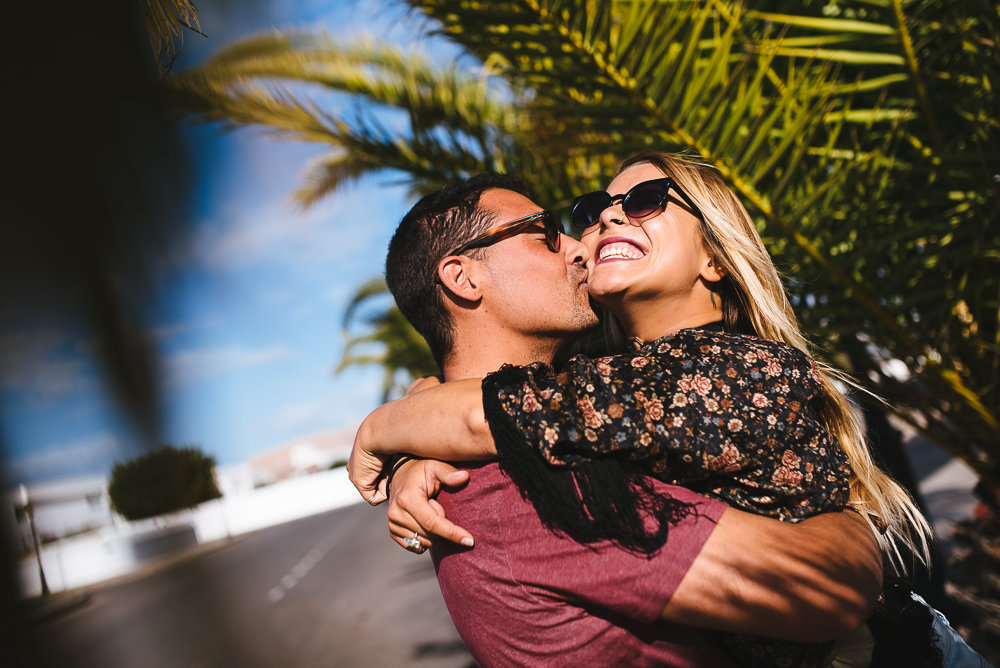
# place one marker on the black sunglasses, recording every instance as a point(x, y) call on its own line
point(553, 232)
point(640, 201)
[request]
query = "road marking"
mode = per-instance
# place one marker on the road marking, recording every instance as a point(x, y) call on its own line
point(301, 569)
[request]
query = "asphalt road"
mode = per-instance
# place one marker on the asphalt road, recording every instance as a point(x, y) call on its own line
point(328, 590)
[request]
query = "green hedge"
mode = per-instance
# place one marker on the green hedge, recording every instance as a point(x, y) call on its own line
point(162, 481)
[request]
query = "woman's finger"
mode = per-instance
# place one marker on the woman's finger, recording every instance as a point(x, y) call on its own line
point(424, 383)
point(416, 513)
point(364, 470)
point(432, 520)
point(409, 539)
point(378, 496)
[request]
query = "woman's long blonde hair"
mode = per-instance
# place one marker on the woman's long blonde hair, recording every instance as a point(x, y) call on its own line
point(754, 302)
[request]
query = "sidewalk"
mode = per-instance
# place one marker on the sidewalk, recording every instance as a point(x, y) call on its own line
point(123, 547)
point(945, 483)
point(40, 609)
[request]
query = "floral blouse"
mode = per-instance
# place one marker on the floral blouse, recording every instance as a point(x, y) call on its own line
point(732, 416)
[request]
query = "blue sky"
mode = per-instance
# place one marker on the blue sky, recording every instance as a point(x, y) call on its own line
point(250, 324)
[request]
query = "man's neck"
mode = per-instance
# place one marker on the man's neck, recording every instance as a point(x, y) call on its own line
point(477, 360)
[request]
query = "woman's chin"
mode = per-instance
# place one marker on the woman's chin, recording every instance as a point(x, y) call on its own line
point(605, 294)
point(612, 277)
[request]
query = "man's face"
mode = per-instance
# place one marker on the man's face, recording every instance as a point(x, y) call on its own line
point(529, 289)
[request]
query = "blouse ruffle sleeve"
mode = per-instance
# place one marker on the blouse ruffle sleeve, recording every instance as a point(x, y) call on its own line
point(733, 416)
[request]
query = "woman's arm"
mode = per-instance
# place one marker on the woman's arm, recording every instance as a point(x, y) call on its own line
point(736, 416)
point(444, 422)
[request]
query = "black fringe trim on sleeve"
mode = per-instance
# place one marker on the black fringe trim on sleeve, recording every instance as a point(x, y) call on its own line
point(598, 499)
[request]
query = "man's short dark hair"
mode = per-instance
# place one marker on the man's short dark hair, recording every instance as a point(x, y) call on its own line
point(437, 224)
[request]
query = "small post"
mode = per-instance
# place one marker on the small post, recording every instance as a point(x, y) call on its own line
point(26, 505)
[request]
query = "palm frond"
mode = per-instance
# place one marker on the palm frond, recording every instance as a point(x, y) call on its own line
point(454, 122)
point(166, 21)
point(814, 122)
point(400, 350)
point(865, 143)
point(367, 290)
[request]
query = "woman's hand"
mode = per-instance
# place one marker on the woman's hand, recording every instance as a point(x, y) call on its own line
point(364, 467)
point(435, 421)
point(424, 383)
point(413, 510)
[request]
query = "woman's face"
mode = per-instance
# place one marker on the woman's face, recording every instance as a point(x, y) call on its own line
point(657, 261)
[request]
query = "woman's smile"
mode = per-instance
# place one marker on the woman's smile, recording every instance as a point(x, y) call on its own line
point(618, 248)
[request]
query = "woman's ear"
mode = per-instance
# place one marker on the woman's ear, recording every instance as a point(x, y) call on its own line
point(711, 271)
point(456, 275)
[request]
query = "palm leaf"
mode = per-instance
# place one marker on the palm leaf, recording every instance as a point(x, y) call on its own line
point(865, 144)
point(165, 22)
point(673, 69)
point(400, 350)
point(456, 124)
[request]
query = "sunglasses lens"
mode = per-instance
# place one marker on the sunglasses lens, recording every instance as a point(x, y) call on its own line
point(553, 233)
point(644, 199)
point(587, 209)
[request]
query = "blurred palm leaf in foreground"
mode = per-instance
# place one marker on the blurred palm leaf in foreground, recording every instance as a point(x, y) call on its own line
point(165, 22)
point(86, 215)
point(861, 134)
point(400, 350)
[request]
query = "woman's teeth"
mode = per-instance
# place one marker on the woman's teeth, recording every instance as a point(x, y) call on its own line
point(620, 251)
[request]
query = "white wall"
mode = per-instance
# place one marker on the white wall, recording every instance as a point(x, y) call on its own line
point(108, 552)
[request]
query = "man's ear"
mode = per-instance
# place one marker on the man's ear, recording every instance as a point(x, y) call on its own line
point(456, 273)
point(711, 271)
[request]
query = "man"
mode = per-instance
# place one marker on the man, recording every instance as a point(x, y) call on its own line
point(488, 280)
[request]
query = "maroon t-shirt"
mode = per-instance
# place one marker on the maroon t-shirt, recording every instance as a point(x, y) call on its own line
point(525, 596)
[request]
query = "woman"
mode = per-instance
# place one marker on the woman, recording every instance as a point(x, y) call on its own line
point(718, 394)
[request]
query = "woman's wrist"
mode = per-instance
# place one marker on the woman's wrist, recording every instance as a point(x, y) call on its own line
point(392, 465)
point(380, 433)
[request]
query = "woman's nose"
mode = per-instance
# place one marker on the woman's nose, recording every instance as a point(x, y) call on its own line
point(613, 215)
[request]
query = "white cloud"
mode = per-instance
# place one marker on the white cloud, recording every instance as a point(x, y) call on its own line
point(353, 394)
point(242, 238)
point(169, 331)
point(44, 364)
point(346, 234)
point(190, 365)
point(87, 454)
point(303, 416)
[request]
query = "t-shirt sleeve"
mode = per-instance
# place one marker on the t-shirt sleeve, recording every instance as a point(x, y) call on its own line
point(607, 577)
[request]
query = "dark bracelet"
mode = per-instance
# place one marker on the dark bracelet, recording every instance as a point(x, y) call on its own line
point(393, 465)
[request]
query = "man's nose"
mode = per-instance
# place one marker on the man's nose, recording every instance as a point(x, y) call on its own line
point(576, 252)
